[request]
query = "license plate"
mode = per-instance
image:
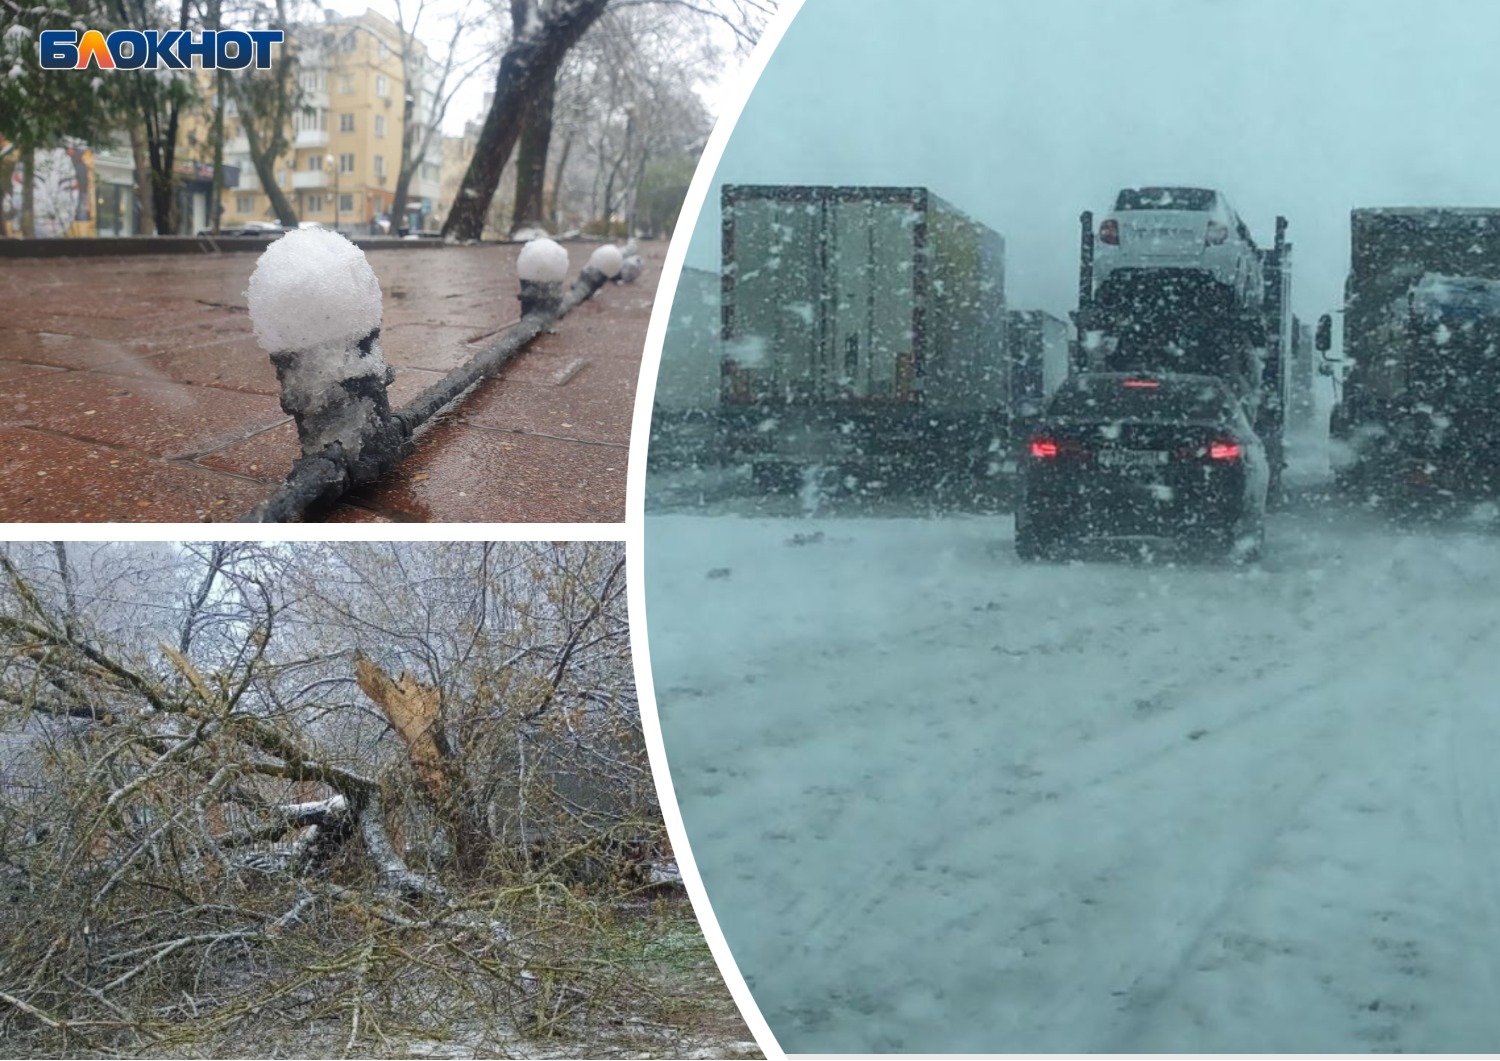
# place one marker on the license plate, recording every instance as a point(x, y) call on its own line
point(1133, 458)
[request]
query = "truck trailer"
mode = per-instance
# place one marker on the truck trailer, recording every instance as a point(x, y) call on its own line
point(685, 406)
point(1039, 351)
point(1418, 415)
point(864, 334)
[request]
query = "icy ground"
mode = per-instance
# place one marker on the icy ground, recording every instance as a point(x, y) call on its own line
point(945, 801)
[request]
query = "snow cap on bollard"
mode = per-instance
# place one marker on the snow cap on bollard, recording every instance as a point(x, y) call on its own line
point(606, 261)
point(315, 304)
point(542, 266)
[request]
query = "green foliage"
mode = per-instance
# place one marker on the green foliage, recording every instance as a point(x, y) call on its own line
point(664, 186)
point(40, 107)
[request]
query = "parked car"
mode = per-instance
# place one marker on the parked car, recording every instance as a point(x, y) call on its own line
point(262, 229)
point(1191, 229)
point(1128, 455)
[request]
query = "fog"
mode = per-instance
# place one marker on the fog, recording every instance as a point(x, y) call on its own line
point(1024, 114)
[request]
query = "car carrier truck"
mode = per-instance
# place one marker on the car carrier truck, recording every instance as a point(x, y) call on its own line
point(1180, 320)
point(864, 333)
point(1418, 416)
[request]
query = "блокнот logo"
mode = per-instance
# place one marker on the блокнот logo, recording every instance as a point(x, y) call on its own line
point(134, 49)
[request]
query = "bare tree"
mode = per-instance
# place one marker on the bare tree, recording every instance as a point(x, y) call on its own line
point(543, 32)
point(450, 70)
point(265, 102)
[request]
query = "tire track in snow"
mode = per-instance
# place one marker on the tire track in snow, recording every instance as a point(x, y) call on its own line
point(1370, 746)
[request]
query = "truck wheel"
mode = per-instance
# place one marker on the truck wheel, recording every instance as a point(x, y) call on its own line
point(1032, 543)
point(1276, 488)
point(772, 477)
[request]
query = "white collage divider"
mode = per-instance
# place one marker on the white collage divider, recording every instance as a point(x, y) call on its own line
point(635, 494)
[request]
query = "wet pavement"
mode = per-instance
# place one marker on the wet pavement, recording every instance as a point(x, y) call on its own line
point(132, 389)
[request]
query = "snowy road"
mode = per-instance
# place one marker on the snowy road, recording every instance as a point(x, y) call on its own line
point(945, 801)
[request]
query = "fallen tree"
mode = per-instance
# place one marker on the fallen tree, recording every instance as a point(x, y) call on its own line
point(218, 811)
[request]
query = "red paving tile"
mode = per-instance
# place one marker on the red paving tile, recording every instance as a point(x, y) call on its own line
point(236, 364)
point(20, 369)
point(148, 365)
point(593, 403)
point(47, 479)
point(479, 475)
point(155, 417)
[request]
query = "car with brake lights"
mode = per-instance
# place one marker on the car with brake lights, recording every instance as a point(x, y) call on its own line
point(1156, 457)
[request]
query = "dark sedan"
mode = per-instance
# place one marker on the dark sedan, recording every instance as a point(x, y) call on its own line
point(1121, 456)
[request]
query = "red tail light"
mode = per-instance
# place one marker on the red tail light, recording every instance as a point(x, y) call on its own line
point(1217, 234)
point(1109, 232)
point(1142, 383)
point(1044, 448)
point(1224, 450)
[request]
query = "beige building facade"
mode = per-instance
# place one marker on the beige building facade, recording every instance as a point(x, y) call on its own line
point(345, 154)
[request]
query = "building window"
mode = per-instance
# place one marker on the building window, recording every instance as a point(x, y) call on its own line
point(310, 120)
point(314, 204)
point(346, 123)
point(346, 202)
point(280, 176)
point(314, 163)
point(348, 44)
point(380, 125)
point(384, 51)
point(380, 85)
point(346, 85)
point(346, 162)
point(380, 166)
point(244, 204)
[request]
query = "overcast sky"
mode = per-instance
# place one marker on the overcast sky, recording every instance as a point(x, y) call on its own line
point(1025, 112)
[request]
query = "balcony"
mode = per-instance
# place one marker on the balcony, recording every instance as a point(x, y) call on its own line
point(312, 138)
point(249, 179)
point(314, 179)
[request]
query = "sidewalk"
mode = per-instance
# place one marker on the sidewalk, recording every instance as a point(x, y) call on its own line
point(132, 389)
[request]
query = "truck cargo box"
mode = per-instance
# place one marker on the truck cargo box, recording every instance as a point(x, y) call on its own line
point(860, 324)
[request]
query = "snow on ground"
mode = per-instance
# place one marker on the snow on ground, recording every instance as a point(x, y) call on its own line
point(945, 801)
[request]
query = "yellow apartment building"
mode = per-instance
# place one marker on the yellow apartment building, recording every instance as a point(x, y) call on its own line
point(345, 151)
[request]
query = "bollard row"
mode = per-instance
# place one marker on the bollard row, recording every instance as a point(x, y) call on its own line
point(316, 307)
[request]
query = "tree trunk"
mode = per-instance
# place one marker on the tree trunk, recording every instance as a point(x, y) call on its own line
point(531, 159)
point(529, 63)
point(142, 183)
point(407, 167)
point(609, 197)
point(633, 194)
point(557, 179)
point(28, 192)
point(216, 195)
point(265, 168)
